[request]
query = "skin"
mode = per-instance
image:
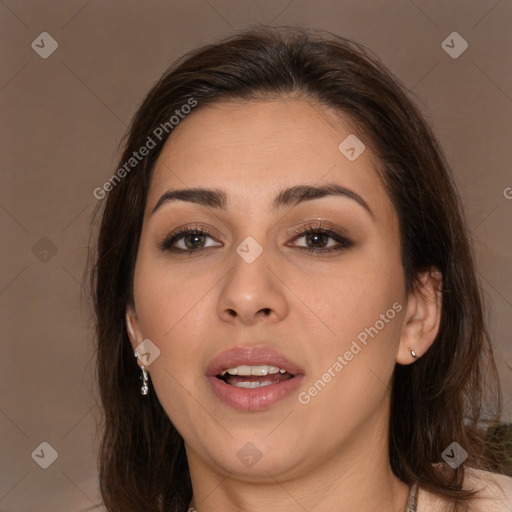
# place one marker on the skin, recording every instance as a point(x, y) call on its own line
point(330, 454)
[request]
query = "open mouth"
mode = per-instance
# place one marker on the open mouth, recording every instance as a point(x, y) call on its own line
point(250, 377)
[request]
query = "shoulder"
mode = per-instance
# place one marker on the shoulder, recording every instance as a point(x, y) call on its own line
point(494, 491)
point(494, 494)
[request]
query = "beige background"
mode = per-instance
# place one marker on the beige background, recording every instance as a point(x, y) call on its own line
point(63, 116)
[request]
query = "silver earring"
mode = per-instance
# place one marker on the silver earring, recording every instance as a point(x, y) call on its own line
point(144, 390)
point(414, 355)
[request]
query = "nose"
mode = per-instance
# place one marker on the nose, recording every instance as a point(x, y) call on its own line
point(252, 292)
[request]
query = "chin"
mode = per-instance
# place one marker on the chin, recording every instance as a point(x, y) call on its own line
point(250, 460)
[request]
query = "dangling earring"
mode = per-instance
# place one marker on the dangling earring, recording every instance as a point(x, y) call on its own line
point(144, 390)
point(414, 355)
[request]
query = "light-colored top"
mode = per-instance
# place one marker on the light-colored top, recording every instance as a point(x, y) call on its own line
point(495, 494)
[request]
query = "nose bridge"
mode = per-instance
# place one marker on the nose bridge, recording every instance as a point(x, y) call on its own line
point(250, 266)
point(251, 285)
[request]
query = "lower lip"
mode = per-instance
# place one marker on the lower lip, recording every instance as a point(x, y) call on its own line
point(255, 399)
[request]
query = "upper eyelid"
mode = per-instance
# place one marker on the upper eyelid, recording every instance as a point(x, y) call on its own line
point(321, 225)
point(301, 226)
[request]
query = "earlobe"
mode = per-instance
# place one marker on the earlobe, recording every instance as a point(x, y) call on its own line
point(422, 318)
point(132, 327)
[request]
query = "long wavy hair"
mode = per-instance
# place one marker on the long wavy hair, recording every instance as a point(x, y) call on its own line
point(450, 394)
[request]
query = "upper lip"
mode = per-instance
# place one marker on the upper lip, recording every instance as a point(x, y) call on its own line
point(250, 356)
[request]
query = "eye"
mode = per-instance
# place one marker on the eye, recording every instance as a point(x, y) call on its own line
point(193, 240)
point(190, 239)
point(317, 238)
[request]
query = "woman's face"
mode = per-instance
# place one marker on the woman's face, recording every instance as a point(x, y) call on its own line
point(325, 307)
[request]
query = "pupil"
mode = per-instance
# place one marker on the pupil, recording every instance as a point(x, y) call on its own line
point(192, 245)
point(315, 236)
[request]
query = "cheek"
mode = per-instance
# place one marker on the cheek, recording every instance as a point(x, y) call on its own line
point(170, 307)
point(171, 311)
point(169, 301)
point(359, 293)
point(354, 361)
point(351, 369)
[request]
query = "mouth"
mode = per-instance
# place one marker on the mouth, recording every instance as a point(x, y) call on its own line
point(251, 377)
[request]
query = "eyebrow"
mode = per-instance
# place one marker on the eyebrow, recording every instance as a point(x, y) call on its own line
point(215, 198)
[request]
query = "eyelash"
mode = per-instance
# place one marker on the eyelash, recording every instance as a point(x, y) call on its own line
point(314, 229)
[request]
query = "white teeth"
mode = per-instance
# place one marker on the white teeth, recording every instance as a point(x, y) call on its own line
point(258, 371)
point(254, 384)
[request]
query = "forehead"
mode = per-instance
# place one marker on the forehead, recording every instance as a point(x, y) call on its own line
point(253, 149)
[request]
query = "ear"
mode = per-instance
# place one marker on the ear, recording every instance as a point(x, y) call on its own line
point(133, 329)
point(422, 317)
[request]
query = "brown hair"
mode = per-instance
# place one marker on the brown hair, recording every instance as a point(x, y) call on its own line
point(439, 399)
